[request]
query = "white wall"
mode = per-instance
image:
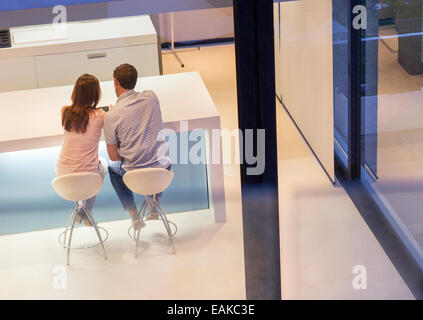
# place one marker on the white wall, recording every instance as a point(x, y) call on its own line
point(198, 24)
point(306, 73)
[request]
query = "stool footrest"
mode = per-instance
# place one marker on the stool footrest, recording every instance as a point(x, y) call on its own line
point(61, 238)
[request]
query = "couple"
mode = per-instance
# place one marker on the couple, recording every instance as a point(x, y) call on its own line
point(130, 128)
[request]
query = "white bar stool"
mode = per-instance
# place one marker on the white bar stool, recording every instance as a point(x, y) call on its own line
point(78, 187)
point(150, 182)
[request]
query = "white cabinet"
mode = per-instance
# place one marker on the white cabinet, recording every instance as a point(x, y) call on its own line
point(17, 74)
point(39, 58)
point(63, 69)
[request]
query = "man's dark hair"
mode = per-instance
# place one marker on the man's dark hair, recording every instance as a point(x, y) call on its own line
point(126, 75)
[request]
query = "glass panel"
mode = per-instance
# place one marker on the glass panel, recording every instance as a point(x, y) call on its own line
point(393, 114)
point(340, 79)
point(369, 101)
point(196, 87)
point(340, 14)
point(27, 4)
point(306, 86)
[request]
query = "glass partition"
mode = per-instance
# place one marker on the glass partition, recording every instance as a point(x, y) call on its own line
point(392, 115)
point(316, 95)
point(28, 4)
point(341, 81)
point(183, 51)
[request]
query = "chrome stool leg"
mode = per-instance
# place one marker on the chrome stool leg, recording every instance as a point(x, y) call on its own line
point(160, 210)
point(74, 213)
point(143, 210)
point(94, 224)
point(166, 223)
point(70, 237)
point(137, 234)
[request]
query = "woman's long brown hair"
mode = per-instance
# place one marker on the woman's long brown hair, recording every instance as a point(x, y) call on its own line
point(85, 97)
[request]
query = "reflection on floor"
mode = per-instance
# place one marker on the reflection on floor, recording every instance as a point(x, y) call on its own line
point(322, 234)
point(400, 136)
point(207, 265)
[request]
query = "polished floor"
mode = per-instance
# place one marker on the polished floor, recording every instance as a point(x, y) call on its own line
point(323, 237)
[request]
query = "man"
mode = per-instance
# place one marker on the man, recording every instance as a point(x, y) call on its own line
point(131, 128)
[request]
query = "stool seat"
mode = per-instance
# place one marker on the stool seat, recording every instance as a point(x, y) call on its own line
point(149, 182)
point(78, 187)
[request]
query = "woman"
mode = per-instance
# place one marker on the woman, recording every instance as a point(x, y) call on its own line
point(82, 124)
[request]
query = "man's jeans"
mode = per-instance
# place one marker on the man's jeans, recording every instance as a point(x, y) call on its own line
point(125, 195)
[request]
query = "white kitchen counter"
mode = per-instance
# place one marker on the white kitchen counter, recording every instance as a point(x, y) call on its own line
point(35, 113)
point(30, 119)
